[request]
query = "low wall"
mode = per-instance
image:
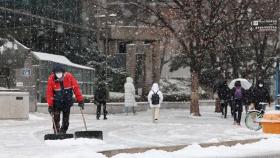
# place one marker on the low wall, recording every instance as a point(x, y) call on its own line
point(14, 105)
point(113, 108)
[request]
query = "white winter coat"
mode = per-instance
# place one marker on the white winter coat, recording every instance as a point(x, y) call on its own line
point(154, 89)
point(129, 93)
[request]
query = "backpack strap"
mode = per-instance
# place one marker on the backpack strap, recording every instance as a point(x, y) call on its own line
point(155, 92)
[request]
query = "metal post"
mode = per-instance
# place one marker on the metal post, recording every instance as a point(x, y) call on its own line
point(277, 82)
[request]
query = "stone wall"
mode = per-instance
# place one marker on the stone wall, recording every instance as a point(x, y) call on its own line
point(114, 108)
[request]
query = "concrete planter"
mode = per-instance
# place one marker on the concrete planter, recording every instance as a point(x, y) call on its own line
point(14, 105)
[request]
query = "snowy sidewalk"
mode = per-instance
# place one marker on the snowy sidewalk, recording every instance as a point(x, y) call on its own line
point(175, 127)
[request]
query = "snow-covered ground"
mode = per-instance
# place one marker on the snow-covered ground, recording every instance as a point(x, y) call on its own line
point(175, 127)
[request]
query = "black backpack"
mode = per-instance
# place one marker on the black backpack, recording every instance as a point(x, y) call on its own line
point(100, 95)
point(155, 98)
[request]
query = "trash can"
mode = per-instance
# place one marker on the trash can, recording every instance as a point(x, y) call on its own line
point(14, 104)
point(271, 122)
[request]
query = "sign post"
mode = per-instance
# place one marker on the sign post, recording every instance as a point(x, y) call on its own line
point(265, 25)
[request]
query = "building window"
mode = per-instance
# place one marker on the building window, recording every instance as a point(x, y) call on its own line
point(122, 47)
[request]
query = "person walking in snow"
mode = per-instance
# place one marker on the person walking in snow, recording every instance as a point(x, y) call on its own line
point(155, 99)
point(129, 95)
point(59, 93)
point(238, 94)
point(248, 98)
point(260, 94)
point(101, 96)
point(224, 95)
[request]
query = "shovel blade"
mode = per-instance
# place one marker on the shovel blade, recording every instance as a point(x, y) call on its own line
point(58, 136)
point(89, 134)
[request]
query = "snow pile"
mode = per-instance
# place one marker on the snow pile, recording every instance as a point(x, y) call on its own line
point(85, 154)
point(74, 142)
point(116, 95)
point(262, 147)
point(175, 86)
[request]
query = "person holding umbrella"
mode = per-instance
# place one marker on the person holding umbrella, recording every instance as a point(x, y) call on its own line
point(238, 94)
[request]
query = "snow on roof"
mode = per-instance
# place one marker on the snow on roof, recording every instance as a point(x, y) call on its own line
point(11, 45)
point(18, 43)
point(57, 59)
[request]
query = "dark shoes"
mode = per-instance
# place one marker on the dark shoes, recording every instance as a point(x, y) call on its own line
point(61, 131)
point(98, 117)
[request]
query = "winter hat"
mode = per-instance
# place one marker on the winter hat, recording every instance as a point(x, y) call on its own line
point(237, 84)
point(129, 80)
point(58, 68)
point(155, 87)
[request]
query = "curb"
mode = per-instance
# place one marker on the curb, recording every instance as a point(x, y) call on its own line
point(110, 153)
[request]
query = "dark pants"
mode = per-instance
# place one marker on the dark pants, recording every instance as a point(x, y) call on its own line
point(65, 120)
point(98, 111)
point(237, 111)
point(224, 109)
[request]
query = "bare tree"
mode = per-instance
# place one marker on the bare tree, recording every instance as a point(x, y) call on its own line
point(195, 24)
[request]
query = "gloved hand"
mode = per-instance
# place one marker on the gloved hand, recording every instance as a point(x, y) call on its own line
point(50, 109)
point(81, 105)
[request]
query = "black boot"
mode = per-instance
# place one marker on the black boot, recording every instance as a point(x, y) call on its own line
point(62, 131)
point(97, 117)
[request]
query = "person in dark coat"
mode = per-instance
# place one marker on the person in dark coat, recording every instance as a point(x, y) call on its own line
point(248, 98)
point(260, 94)
point(100, 96)
point(224, 94)
point(59, 93)
point(238, 95)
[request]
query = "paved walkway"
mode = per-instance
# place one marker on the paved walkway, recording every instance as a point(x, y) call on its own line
point(175, 127)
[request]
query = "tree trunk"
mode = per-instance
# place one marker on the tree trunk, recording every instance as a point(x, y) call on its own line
point(194, 108)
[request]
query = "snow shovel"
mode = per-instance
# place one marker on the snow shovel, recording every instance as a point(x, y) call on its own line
point(56, 135)
point(86, 133)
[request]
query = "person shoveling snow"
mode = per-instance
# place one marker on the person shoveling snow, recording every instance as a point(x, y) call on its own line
point(60, 88)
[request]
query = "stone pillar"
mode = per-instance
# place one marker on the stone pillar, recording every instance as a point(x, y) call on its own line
point(156, 61)
point(131, 60)
point(27, 83)
point(148, 68)
point(113, 47)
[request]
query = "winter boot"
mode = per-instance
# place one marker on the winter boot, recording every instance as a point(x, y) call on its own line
point(62, 131)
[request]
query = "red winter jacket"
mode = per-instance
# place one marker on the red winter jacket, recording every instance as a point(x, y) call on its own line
point(56, 96)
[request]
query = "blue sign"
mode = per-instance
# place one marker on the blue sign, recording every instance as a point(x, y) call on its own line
point(26, 72)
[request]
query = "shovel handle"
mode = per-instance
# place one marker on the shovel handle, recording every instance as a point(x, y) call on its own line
point(54, 125)
point(83, 118)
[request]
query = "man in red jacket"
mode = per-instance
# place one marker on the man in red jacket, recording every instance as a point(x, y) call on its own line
point(60, 88)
